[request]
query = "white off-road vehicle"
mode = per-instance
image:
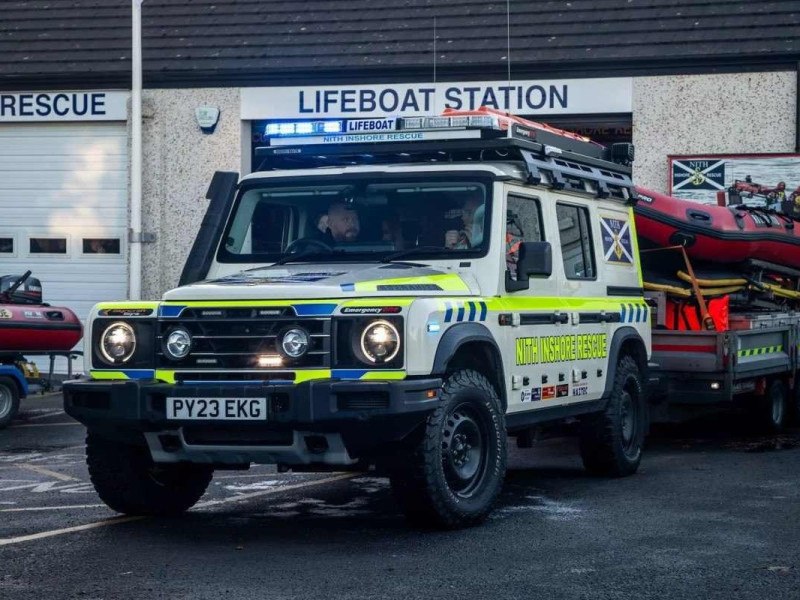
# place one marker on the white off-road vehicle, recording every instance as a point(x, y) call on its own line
point(404, 298)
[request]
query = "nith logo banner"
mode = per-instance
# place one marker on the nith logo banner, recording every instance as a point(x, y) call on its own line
point(698, 174)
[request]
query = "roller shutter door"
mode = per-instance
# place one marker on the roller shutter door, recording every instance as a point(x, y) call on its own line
point(64, 209)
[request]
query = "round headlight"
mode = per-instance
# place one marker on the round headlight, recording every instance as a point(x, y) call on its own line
point(117, 343)
point(380, 342)
point(294, 343)
point(178, 343)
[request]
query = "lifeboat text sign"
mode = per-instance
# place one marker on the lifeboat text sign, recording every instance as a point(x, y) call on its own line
point(526, 97)
point(63, 106)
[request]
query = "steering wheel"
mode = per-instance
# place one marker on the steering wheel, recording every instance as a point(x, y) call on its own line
point(309, 243)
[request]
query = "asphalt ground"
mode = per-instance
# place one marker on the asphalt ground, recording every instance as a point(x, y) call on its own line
point(714, 512)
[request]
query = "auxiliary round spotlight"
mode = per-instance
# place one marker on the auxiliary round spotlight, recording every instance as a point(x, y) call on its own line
point(295, 342)
point(178, 343)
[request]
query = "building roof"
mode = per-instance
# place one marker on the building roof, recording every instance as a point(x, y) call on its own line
point(45, 43)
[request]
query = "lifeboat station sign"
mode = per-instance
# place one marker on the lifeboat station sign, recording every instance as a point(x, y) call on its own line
point(546, 97)
point(64, 106)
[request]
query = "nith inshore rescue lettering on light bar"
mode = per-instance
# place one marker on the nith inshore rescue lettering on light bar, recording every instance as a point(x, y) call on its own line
point(561, 96)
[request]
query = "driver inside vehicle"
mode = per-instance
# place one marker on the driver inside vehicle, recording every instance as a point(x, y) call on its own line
point(340, 224)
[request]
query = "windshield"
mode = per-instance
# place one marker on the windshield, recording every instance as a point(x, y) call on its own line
point(359, 219)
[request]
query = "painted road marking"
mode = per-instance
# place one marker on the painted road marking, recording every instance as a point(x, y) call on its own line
point(73, 424)
point(48, 472)
point(120, 520)
point(285, 488)
point(55, 532)
point(50, 413)
point(42, 508)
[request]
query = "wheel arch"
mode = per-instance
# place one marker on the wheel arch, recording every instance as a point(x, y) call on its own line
point(16, 379)
point(625, 341)
point(471, 345)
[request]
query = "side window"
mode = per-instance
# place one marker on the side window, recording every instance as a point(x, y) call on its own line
point(270, 227)
point(576, 241)
point(523, 224)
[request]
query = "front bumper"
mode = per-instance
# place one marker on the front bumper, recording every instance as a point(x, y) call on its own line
point(329, 422)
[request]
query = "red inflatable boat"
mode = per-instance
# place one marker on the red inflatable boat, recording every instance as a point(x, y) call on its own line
point(28, 325)
point(722, 234)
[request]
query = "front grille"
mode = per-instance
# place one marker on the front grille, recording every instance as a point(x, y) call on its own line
point(225, 376)
point(235, 338)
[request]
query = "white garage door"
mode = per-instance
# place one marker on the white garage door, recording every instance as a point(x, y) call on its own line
point(64, 210)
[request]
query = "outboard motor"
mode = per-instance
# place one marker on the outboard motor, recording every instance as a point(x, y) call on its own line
point(29, 291)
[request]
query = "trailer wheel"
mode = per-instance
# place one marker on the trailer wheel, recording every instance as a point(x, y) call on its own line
point(9, 401)
point(772, 408)
point(611, 442)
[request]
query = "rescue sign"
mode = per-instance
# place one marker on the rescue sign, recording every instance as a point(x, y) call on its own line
point(63, 106)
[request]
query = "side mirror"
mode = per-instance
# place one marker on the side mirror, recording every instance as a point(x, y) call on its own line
point(535, 260)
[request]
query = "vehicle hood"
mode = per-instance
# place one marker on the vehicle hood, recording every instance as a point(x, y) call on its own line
point(345, 280)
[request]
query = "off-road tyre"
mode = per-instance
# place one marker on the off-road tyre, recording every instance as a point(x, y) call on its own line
point(448, 475)
point(611, 442)
point(771, 411)
point(9, 401)
point(128, 481)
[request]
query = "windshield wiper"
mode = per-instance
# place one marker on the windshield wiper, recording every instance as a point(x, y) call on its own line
point(411, 252)
point(295, 256)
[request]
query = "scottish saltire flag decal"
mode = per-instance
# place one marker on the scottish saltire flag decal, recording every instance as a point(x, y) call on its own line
point(698, 175)
point(617, 246)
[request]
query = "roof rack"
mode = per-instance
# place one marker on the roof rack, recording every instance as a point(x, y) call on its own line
point(552, 157)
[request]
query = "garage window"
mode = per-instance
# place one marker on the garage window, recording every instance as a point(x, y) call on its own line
point(6, 245)
point(41, 245)
point(101, 245)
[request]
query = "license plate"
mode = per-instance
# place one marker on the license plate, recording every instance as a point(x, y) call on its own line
point(225, 409)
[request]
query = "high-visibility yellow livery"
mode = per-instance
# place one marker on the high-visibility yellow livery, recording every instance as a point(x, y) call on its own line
point(401, 300)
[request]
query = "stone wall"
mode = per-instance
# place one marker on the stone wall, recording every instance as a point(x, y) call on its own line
point(741, 113)
point(178, 162)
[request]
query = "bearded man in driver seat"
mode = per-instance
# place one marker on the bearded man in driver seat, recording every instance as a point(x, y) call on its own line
point(339, 224)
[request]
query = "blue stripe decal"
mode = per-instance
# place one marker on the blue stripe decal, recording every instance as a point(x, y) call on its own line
point(630, 313)
point(622, 313)
point(314, 310)
point(348, 287)
point(483, 311)
point(448, 314)
point(471, 310)
point(170, 311)
point(140, 374)
point(638, 313)
point(348, 373)
point(460, 316)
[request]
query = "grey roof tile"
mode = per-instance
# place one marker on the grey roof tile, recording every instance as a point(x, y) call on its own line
point(226, 38)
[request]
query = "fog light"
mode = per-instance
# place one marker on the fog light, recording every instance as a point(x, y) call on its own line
point(270, 360)
point(715, 385)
